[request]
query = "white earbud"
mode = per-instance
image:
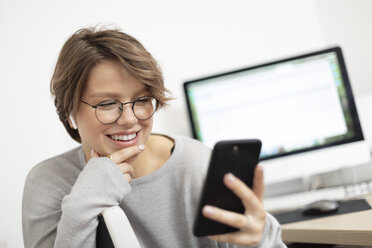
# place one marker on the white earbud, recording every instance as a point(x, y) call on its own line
point(73, 122)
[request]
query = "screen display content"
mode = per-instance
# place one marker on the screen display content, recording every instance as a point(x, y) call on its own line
point(294, 105)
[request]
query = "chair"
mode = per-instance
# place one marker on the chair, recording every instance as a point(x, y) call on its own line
point(114, 230)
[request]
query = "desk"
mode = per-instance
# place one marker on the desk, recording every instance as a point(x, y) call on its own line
point(346, 229)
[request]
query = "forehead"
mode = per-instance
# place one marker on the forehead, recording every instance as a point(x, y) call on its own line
point(112, 79)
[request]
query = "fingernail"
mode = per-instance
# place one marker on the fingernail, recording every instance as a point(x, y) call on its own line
point(91, 152)
point(230, 177)
point(141, 147)
point(209, 210)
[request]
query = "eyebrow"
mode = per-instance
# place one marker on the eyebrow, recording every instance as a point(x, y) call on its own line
point(104, 94)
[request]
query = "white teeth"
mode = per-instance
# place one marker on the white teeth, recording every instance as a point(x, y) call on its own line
point(124, 137)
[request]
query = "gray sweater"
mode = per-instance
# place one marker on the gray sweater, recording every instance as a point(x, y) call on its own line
point(64, 195)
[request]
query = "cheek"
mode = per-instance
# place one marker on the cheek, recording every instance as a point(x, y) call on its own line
point(148, 125)
point(146, 128)
point(91, 134)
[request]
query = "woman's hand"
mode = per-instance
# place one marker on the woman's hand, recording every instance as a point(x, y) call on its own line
point(252, 222)
point(122, 157)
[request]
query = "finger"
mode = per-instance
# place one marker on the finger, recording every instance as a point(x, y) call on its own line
point(240, 189)
point(258, 183)
point(126, 153)
point(126, 169)
point(229, 218)
point(93, 153)
point(129, 178)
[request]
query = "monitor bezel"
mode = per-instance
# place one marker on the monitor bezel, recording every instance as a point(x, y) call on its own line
point(345, 77)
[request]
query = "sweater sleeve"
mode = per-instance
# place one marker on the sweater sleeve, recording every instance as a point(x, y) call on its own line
point(271, 236)
point(55, 219)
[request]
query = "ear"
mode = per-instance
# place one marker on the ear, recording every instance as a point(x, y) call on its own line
point(72, 122)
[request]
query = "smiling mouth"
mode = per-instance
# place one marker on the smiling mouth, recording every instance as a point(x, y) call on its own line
point(123, 137)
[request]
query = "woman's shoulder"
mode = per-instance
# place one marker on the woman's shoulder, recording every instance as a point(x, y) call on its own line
point(50, 180)
point(189, 144)
point(62, 165)
point(190, 149)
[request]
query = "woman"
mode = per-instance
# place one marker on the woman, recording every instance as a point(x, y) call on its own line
point(107, 88)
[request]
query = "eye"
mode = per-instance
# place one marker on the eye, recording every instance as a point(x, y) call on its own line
point(143, 100)
point(107, 104)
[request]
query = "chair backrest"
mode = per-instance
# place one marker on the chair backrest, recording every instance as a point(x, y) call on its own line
point(115, 230)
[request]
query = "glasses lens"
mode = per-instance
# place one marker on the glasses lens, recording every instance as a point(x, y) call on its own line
point(144, 107)
point(108, 111)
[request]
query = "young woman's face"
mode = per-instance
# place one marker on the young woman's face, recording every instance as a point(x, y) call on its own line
point(108, 80)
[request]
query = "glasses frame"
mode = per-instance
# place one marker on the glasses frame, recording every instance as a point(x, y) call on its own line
point(122, 107)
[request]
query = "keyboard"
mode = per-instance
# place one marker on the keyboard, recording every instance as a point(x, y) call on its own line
point(298, 200)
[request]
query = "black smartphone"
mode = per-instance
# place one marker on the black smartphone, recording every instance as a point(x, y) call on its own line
point(239, 157)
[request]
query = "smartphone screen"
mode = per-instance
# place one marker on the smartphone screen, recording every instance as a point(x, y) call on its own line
point(239, 157)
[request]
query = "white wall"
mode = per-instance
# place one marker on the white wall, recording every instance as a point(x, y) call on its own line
point(189, 38)
point(348, 23)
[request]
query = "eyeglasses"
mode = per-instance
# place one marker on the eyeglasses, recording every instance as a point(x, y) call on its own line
point(109, 111)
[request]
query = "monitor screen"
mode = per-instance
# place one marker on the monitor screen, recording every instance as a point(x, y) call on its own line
point(293, 105)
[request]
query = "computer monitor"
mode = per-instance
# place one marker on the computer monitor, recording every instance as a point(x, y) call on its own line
point(302, 108)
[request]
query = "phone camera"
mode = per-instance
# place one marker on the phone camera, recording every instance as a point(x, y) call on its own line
point(235, 148)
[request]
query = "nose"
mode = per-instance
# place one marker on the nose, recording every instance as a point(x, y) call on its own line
point(127, 118)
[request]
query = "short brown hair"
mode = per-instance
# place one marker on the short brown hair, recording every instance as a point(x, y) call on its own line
point(90, 46)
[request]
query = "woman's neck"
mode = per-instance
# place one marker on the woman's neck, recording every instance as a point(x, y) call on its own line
point(157, 152)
